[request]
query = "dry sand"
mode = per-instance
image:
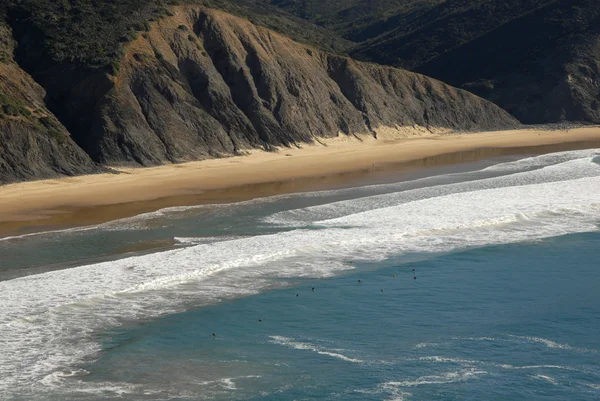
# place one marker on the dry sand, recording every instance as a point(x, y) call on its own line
point(91, 199)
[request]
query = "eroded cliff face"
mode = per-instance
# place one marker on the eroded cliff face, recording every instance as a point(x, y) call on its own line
point(33, 143)
point(203, 83)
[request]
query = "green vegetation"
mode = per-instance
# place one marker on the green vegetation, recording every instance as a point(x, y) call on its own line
point(486, 46)
point(115, 67)
point(512, 52)
point(347, 17)
point(159, 56)
point(6, 43)
point(58, 136)
point(407, 33)
point(91, 33)
point(12, 107)
point(87, 32)
point(53, 129)
point(412, 33)
point(273, 15)
point(414, 39)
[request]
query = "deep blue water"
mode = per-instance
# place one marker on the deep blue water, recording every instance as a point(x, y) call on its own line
point(503, 303)
point(510, 322)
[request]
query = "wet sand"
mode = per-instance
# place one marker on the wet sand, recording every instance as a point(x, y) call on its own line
point(341, 162)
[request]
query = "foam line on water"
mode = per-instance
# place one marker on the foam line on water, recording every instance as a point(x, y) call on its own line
point(390, 391)
point(530, 339)
point(48, 321)
point(138, 222)
point(437, 359)
point(454, 376)
point(299, 345)
point(51, 232)
point(540, 161)
point(576, 165)
point(552, 344)
point(205, 240)
point(531, 367)
point(127, 223)
point(546, 378)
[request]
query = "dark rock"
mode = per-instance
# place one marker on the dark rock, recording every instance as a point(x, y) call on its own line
point(213, 89)
point(237, 86)
point(33, 143)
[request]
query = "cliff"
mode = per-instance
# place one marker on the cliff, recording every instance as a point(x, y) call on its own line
point(33, 143)
point(537, 59)
point(201, 83)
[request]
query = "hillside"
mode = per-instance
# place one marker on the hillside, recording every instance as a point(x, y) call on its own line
point(33, 143)
point(538, 59)
point(355, 20)
point(199, 83)
point(204, 83)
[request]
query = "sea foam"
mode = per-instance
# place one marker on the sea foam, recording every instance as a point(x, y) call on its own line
point(48, 321)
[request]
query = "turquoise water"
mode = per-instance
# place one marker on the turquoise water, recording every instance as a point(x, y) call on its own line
point(505, 304)
point(514, 322)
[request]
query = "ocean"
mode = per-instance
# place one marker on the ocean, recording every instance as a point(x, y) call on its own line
point(479, 283)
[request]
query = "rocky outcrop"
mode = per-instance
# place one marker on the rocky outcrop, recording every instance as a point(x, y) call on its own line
point(33, 143)
point(203, 83)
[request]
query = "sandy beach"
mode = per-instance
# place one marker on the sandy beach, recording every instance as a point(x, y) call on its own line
point(83, 200)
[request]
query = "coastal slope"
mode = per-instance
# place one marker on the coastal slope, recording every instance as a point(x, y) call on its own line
point(203, 83)
point(197, 83)
point(33, 143)
point(537, 59)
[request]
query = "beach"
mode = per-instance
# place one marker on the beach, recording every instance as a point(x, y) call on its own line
point(464, 279)
point(92, 199)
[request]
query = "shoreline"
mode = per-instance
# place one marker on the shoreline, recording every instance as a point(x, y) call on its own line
point(339, 162)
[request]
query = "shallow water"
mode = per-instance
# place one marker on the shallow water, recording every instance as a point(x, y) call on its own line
point(504, 305)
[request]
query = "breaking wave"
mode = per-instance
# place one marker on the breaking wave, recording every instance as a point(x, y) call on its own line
point(48, 321)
